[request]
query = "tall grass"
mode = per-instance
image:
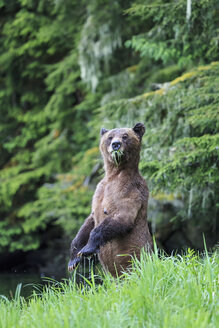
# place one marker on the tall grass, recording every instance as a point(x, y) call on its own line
point(160, 291)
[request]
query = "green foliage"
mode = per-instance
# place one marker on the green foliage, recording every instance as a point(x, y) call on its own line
point(65, 72)
point(176, 291)
point(39, 77)
point(65, 202)
point(180, 150)
point(169, 36)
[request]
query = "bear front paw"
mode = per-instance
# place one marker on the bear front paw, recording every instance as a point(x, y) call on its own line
point(87, 251)
point(73, 264)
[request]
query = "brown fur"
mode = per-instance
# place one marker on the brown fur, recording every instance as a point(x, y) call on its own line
point(117, 225)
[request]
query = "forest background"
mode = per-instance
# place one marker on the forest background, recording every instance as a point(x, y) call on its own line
point(68, 68)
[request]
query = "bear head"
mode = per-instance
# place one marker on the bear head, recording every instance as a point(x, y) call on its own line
point(121, 147)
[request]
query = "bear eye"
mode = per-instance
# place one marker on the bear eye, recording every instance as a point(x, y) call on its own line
point(125, 137)
point(110, 138)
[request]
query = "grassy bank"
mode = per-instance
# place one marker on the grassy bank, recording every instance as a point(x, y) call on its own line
point(176, 291)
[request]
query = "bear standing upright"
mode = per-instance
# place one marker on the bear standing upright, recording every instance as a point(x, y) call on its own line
point(117, 228)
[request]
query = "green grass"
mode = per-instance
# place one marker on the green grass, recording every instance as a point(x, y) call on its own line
point(175, 291)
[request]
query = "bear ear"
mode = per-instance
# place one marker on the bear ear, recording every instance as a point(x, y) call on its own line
point(139, 129)
point(103, 131)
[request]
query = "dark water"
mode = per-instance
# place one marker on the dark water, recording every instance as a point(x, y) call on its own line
point(35, 281)
point(29, 281)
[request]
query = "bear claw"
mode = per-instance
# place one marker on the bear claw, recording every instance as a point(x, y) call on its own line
point(73, 264)
point(70, 268)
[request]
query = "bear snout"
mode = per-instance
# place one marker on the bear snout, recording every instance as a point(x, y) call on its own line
point(116, 145)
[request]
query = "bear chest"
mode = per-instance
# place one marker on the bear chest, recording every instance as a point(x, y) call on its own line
point(105, 204)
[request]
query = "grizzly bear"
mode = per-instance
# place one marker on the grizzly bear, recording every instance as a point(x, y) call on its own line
point(117, 228)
